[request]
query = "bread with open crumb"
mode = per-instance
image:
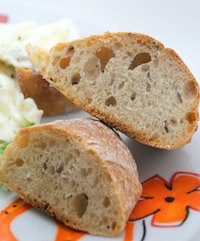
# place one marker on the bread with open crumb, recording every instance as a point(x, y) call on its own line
point(77, 170)
point(131, 82)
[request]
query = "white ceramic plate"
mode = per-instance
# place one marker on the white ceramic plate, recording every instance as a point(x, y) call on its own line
point(171, 178)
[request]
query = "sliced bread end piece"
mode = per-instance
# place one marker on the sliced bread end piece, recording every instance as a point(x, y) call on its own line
point(131, 82)
point(47, 98)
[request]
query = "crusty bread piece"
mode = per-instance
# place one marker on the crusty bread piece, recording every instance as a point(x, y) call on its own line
point(78, 170)
point(129, 81)
point(47, 98)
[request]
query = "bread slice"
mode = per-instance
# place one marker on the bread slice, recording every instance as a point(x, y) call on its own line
point(78, 170)
point(47, 98)
point(129, 81)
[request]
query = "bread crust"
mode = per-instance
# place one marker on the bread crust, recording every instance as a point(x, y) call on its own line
point(114, 159)
point(47, 98)
point(112, 120)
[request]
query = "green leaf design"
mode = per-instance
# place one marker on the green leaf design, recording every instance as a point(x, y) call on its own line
point(3, 147)
point(26, 122)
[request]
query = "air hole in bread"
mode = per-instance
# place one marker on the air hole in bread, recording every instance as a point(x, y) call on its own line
point(67, 141)
point(106, 202)
point(166, 127)
point(114, 225)
point(45, 165)
point(190, 89)
point(179, 98)
point(46, 206)
point(173, 121)
point(92, 68)
point(148, 75)
point(139, 41)
point(111, 101)
point(121, 85)
point(139, 59)
point(155, 46)
point(70, 51)
point(75, 79)
point(85, 172)
point(148, 87)
point(149, 103)
point(19, 162)
point(133, 96)
point(60, 168)
point(104, 54)
point(29, 179)
point(80, 204)
point(191, 117)
point(64, 62)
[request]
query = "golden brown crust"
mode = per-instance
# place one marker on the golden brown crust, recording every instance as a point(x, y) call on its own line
point(109, 36)
point(47, 98)
point(127, 128)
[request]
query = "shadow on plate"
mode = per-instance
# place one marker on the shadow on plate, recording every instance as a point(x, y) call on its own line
point(152, 161)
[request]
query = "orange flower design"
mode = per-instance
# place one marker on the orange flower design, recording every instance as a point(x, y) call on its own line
point(18, 207)
point(168, 202)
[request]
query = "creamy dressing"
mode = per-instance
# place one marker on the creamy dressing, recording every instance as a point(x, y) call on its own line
point(15, 39)
point(15, 109)
point(25, 45)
